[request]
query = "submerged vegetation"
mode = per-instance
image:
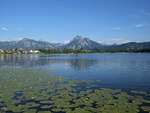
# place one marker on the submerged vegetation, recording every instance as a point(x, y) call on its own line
point(36, 91)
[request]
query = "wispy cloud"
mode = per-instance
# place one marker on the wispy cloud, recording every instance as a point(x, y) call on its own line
point(4, 29)
point(64, 42)
point(139, 25)
point(116, 28)
point(114, 41)
point(19, 29)
point(13, 39)
point(145, 13)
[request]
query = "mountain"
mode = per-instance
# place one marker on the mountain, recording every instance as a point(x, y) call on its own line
point(131, 46)
point(25, 44)
point(77, 42)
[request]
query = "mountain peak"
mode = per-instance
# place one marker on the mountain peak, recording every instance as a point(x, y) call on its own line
point(79, 42)
point(78, 37)
point(26, 39)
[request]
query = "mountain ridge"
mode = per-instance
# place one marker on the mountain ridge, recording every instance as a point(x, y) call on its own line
point(78, 42)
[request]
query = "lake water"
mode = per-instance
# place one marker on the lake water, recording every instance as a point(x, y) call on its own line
point(115, 70)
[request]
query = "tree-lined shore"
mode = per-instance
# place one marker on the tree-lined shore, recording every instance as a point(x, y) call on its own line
point(53, 51)
point(66, 51)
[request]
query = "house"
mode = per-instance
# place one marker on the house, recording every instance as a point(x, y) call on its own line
point(1, 51)
point(34, 51)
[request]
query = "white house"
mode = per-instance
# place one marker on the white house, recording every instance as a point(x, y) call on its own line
point(1, 50)
point(34, 51)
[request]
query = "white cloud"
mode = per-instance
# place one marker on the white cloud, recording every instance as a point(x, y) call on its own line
point(66, 41)
point(116, 28)
point(4, 29)
point(139, 25)
point(114, 41)
point(13, 39)
point(55, 41)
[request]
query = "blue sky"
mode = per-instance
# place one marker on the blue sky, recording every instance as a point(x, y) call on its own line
point(60, 20)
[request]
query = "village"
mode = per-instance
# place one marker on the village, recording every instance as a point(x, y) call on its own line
point(18, 51)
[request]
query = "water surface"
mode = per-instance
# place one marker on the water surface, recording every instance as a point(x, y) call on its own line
point(119, 70)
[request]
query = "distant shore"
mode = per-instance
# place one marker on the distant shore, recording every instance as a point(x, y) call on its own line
point(69, 51)
point(92, 51)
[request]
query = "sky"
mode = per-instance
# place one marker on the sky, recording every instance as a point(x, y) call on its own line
point(61, 20)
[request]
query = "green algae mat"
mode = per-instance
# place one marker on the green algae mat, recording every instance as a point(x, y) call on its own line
point(37, 91)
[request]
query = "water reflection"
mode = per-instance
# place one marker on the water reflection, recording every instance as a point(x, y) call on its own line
point(114, 70)
point(21, 60)
point(30, 61)
point(81, 62)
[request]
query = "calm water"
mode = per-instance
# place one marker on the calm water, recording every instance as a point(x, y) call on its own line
point(121, 70)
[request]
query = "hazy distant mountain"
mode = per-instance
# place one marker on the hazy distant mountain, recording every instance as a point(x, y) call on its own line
point(131, 46)
point(25, 44)
point(77, 42)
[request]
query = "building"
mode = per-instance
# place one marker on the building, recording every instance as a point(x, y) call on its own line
point(1, 51)
point(34, 51)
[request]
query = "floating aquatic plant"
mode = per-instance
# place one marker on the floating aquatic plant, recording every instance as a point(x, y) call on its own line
point(37, 91)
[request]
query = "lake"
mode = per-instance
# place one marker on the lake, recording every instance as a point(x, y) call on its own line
point(117, 70)
point(125, 71)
